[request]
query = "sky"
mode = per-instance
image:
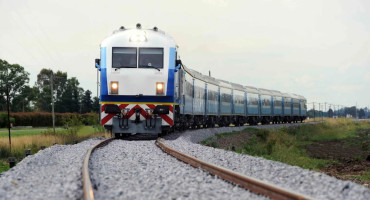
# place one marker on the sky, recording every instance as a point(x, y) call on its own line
point(315, 48)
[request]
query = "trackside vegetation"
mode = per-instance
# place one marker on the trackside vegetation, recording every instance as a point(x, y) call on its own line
point(35, 138)
point(311, 146)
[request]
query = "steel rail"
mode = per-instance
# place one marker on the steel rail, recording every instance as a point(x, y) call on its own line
point(249, 183)
point(86, 181)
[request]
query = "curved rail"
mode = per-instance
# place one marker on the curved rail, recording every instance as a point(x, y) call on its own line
point(87, 186)
point(254, 185)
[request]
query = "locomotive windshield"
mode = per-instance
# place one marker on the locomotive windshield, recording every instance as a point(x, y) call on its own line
point(151, 58)
point(124, 57)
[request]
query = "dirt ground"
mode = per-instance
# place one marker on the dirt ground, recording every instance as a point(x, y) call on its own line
point(351, 156)
point(237, 140)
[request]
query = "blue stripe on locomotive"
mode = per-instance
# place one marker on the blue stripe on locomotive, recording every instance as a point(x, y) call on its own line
point(133, 98)
point(103, 65)
point(171, 72)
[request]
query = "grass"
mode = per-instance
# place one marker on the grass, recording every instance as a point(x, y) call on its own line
point(4, 166)
point(23, 131)
point(363, 177)
point(286, 144)
point(45, 138)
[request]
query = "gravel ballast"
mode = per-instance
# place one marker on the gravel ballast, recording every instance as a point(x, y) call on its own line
point(53, 173)
point(140, 170)
point(309, 183)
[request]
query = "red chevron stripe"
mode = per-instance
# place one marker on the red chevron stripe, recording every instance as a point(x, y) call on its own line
point(132, 111)
point(164, 117)
point(110, 116)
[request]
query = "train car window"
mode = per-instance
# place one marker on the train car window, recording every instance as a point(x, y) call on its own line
point(278, 102)
point(123, 57)
point(151, 58)
point(296, 103)
point(226, 98)
point(252, 99)
point(188, 89)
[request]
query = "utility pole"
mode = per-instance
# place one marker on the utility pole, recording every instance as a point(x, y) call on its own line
point(356, 110)
point(97, 83)
point(314, 114)
point(52, 100)
point(326, 110)
point(8, 102)
point(322, 113)
point(8, 105)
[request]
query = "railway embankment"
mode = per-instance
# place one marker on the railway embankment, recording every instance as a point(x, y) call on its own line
point(311, 183)
point(340, 148)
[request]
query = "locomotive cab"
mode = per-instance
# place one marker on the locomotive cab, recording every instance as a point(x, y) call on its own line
point(137, 81)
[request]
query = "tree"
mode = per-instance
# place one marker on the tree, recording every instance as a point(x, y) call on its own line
point(350, 110)
point(43, 99)
point(361, 114)
point(12, 78)
point(330, 113)
point(71, 96)
point(95, 105)
point(86, 102)
point(22, 102)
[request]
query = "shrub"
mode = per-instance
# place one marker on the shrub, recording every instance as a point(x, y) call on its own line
point(37, 119)
point(4, 120)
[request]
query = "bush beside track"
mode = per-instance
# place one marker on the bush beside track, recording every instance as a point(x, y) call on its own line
point(42, 119)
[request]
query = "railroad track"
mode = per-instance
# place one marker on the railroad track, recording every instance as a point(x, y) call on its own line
point(249, 183)
point(86, 181)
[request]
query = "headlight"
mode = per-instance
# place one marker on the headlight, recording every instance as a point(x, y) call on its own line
point(159, 87)
point(114, 87)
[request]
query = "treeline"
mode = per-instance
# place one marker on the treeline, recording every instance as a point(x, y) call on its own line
point(361, 113)
point(68, 96)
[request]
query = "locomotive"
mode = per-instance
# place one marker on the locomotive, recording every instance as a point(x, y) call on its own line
point(145, 88)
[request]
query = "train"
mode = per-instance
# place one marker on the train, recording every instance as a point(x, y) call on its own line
point(145, 88)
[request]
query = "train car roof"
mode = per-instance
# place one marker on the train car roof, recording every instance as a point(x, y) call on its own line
point(297, 96)
point(236, 86)
point(287, 95)
point(193, 73)
point(225, 84)
point(211, 80)
point(276, 93)
point(264, 91)
point(251, 89)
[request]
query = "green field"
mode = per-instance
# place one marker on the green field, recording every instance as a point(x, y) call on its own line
point(23, 131)
point(34, 138)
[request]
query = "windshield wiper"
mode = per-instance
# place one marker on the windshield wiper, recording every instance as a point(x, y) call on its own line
point(123, 66)
point(153, 67)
